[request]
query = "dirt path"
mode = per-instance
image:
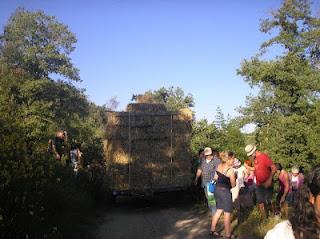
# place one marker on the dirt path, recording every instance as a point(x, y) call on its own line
point(139, 218)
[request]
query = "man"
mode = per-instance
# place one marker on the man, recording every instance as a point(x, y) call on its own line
point(206, 170)
point(264, 169)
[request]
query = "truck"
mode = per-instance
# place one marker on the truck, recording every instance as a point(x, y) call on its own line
point(147, 149)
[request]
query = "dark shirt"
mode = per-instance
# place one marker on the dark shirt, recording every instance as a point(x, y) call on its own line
point(223, 180)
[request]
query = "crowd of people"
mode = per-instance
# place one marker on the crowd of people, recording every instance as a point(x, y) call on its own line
point(239, 186)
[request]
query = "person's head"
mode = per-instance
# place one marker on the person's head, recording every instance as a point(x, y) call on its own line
point(278, 167)
point(295, 171)
point(313, 181)
point(236, 163)
point(251, 150)
point(208, 153)
point(305, 218)
point(227, 157)
point(201, 153)
point(248, 162)
point(215, 153)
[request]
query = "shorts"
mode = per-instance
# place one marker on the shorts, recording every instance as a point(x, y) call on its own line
point(263, 194)
point(223, 199)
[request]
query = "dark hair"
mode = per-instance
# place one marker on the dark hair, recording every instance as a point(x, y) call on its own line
point(200, 151)
point(303, 219)
point(215, 153)
point(278, 166)
point(231, 154)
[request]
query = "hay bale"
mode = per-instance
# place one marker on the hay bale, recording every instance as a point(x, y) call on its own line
point(149, 147)
point(146, 107)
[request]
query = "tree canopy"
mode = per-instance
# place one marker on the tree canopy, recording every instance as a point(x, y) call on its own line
point(173, 98)
point(38, 44)
point(289, 85)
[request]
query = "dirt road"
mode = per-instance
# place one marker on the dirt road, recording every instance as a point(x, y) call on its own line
point(165, 217)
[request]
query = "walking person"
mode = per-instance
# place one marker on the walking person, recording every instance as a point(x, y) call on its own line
point(264, 169)
point(304, 223)
point(206, 171)
point(226, 179)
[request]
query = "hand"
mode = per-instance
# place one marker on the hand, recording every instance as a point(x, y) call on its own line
point(195, 181)
point(282, 199)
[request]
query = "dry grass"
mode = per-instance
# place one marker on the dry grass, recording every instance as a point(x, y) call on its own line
point(256, 226)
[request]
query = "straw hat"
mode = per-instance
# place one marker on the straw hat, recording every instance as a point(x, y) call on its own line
point(250, 149)
point(207, 151)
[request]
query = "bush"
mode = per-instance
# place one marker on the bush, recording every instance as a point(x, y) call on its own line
point(42, 198)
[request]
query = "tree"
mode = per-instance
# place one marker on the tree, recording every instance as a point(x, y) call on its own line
point(289, 86)
point(38, 44)
point(173, 98)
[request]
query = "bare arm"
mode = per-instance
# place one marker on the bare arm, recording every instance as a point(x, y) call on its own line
point(198, 174)
point(286, 187)
point(268, 182)
point(232, 176)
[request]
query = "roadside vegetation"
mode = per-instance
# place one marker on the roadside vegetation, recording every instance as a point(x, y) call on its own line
point(42, 198)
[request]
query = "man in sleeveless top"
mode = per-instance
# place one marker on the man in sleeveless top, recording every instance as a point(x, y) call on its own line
point(264, 169)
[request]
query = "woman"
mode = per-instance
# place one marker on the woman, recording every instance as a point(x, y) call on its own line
point(296, 179)
point(305, 220)
point(225, 178)
point(284, 189)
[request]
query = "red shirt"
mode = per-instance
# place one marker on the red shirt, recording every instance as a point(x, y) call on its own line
point(262, 167)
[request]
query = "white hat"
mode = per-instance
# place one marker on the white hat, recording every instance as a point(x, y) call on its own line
point(236, 163)
point(250, 149)
point(207, 151)
point(295, 169)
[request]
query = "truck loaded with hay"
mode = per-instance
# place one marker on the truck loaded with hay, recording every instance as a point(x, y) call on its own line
point(147, 149)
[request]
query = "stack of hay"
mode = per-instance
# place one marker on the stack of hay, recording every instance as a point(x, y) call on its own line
point(148, 147)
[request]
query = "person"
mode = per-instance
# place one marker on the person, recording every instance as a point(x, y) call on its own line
point(304, 222)
point(283, 178)
point(264, 169)
point(241, 195)
point(57, 146)
point(226, 179)
point(75, 156)
point(239, 171)
point(296, 179)
point(206, 171)
point(199, 193)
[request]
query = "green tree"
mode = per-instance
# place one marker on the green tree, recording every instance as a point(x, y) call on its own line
point(288, 86)
point(38, 44)
point(173, 98)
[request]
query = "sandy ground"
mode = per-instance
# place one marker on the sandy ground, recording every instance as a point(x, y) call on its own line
point(166, 217)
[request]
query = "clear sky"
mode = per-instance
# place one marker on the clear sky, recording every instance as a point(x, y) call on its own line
point(130, 46)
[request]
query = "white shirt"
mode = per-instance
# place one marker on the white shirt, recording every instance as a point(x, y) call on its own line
point(282, 230)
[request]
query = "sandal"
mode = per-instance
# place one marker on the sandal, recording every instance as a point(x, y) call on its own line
point(214, 234)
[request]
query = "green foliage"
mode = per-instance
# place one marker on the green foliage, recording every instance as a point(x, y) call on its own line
point(38, 44)
point(228, 137)
point(173, 98)
point(39, 195)
point(285, 108)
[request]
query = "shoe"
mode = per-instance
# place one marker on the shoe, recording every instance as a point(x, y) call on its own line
point(215, 234)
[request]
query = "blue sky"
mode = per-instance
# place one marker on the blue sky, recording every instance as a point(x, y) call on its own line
point(131, 46)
